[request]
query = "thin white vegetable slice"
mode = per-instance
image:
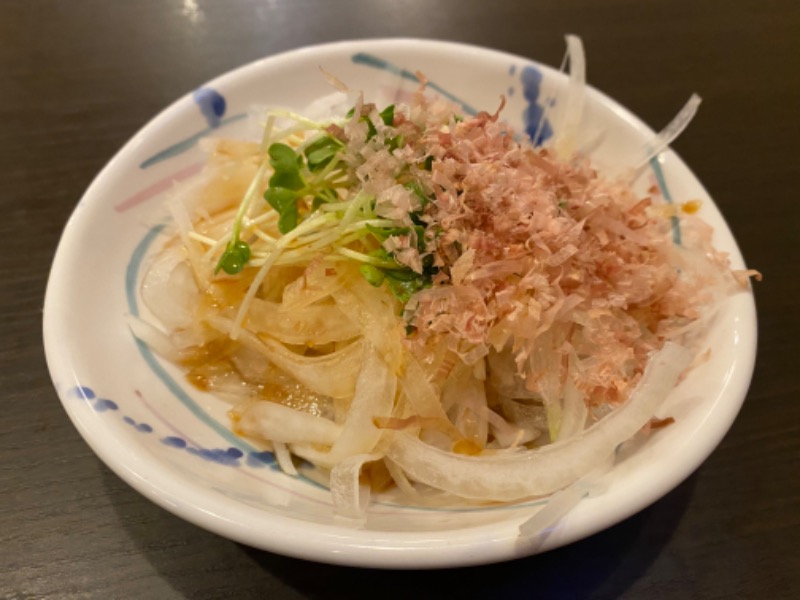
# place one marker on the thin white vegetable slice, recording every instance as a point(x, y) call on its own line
point(350, 497)
point(563, 501)
point(542, 471)
point(506, 435)
point(375, 392)
point(566, 132)
point(331, 375)
point(668, 135)
point(275, 253)
point(157, 340)
point(279, 423)
point(468, 398)
point(374, 314)
point(316, 284)
point(399, 478)
point(371, 310)
point(183, 222)
point(313, 325)
point(284, 458)
point(169, 289)
point(421, 394)
point(573, 412)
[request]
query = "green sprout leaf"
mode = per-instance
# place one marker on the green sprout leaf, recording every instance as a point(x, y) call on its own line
point(243, 248)
point(284, 201)
point(380, 254)
point(371, 130)
point(393, 143)
point(290, 180)
point(320, 152)
point(285, 184)
point(286, 163)
point(387, 115)
point(404, 284)
point(382, 233)
point(279, 198)
point(373, 275)
point(288, 220)
point(235, 257)
point(404, 275)
point(283, 157)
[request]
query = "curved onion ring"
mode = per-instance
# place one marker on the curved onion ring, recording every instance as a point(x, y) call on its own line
point(548, 469)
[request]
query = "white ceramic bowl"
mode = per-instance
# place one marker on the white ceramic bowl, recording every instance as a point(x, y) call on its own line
point(171, 442)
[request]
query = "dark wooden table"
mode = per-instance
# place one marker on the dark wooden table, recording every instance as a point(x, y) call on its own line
point(78, 78)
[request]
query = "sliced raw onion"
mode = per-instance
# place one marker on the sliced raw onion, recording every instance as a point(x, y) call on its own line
point(279, 423)
point(157, 340)
point(399, 478)
point(546, 470)
point(375, 391)
point(331, 375)
point(284, 458)
point(313, 325)
point(169, 289)
point(375, 316)
point(668, 135)
point(570, 115)
point(559, 504)
point(573, 410)
point(421, 394)
point(468, 398)
point(563, 501)
point(350, 497)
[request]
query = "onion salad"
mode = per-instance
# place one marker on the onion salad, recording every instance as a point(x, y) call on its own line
point(419, 303)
